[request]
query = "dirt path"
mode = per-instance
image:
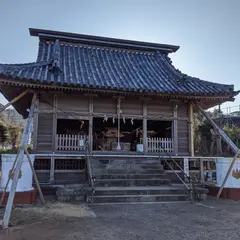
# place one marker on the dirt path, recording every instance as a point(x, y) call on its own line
point(184, 221)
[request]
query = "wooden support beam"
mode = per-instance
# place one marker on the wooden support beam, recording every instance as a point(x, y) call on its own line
point(14, 100)
point(35, 124)
point(201, 171)
point(191, 131)
point(35, 177)
point(224, 136)
point(145, 140)
point(144, 98)
point(175, 128)
point(19, 159)
point(90, 126)
point(186, 168)
point(90, 94)
point(54, 130)
point(52, 170)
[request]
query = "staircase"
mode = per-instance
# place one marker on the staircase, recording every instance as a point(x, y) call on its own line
point(133, 180)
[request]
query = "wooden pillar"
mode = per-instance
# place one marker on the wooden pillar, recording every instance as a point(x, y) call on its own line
point(186, 167)
point(35, 124)
point(191, 133)
point(52, 170)
point(145, 141)
point(201, 170)
point(90, 129)
point(54, 130)
point(175, 128)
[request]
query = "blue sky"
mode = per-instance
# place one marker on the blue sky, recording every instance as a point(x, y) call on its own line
point(208, 32)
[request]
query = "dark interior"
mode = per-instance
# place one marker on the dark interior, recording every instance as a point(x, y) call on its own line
point(160, 129)
point(72, 126)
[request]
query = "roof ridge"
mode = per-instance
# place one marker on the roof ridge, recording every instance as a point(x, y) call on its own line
point(101, 41)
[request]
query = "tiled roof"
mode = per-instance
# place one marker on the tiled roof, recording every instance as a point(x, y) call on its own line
point(102, 67)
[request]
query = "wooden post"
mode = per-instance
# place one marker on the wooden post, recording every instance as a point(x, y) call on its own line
point(175, 129)
point(54, 130)
point(14, 100)
point(52, 170)
point(191, 133)
point(186, 167)
point(35, 177)
point(19, 159)
point(90, 122)
point(201, 171)
point(35, 124)
point(145, 140)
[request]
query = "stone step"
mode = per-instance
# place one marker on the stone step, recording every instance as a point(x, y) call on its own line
point(131, 182)
point(142, 203)
point(140, 190)
point(131, 176)
point(127, 166)
point(140, 198)
point(127, 171)
point(124, 160)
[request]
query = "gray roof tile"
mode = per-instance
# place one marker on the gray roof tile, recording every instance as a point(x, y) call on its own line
point(103, 67)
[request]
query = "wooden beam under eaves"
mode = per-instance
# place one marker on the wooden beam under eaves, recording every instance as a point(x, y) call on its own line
point(14, 100)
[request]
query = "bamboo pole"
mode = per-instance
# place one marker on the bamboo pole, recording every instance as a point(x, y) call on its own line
point(19, 160)
point(35, 177)
point(14, 100)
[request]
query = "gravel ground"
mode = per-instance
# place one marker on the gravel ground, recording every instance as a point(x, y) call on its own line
point(216, 221)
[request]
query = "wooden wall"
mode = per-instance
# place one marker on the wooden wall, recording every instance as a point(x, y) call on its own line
point(45, 123)
point(183, 129)
point(78, 105)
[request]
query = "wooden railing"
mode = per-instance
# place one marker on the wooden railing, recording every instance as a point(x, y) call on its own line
point(160, 145)
point(70, 142)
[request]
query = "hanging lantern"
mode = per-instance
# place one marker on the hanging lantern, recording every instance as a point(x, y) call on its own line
point(124, 119)
point(113, 120)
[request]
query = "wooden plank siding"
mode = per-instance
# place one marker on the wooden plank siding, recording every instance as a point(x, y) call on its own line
point(183, 145)
point(104, 105)
point(71, 103)
point(159, 109)
point(132, 108)
point(45, 132)
point(45, 102)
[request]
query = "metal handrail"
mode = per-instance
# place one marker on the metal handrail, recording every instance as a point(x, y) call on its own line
point(91, 178)
point(192, 186)
point(176, 174)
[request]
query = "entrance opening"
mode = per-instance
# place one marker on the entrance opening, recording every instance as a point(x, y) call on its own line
point(159, 129)
point(72, 126)
point(71, 134)
point(105, 134)
point(160, 136)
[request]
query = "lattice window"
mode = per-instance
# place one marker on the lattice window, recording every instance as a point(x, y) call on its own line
point(42, 164)
point(69, 164)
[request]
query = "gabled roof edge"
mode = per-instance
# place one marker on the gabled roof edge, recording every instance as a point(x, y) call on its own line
point(102, 41)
